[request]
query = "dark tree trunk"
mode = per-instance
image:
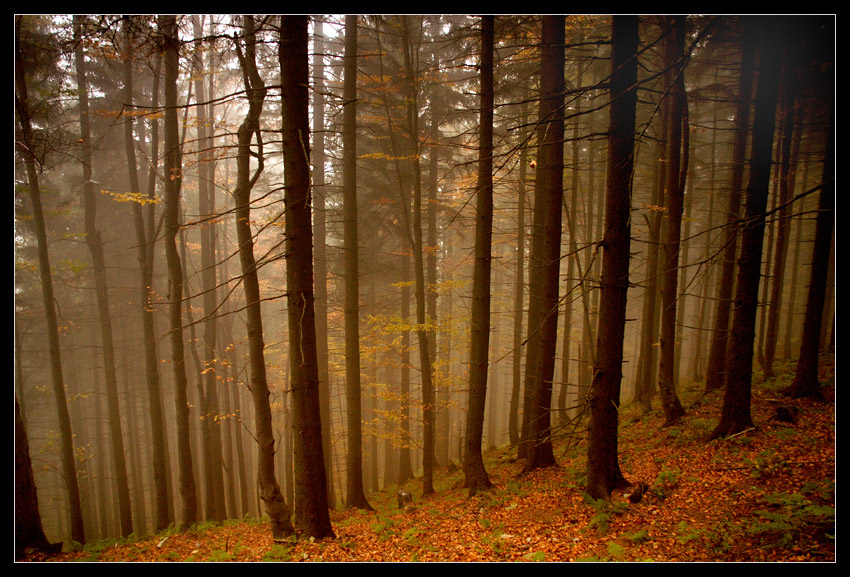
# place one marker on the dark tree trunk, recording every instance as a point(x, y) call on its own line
point(806, 384)
point(29, 533)
point(603, 469)
point(546, 250)
point(355, 495)
point(25, 145)
point(173, 178)
point(777, 280)
point(674, 197)
point(473, 463)
point(715, 377)
point(270, 493)
point(311, 498)
point(736, 415)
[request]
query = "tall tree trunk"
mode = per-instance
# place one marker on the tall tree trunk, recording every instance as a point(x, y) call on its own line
point(29, 533)
point(736, 415)
point(414, 229)
point(715, 378)
point(173, 175)
point(603, 469)
point(95, 245)
point(319, 246)
point(546, 248)
point(473, 463)
point(273, 501)
point(519, 288)
point(355, 494)
point(806, 384)
point(674, 197)
point(311, 499)
point(145, 250)
point(777, 280)
point(213, 461)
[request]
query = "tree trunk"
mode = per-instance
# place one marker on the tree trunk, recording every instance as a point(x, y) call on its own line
point(806, 384)
point(546, 250)
point(603, 469)
point(519, 287)
point(270, 493)
point(145, 251)
point(320, 260)
point(29, 533)
point(777, 281)
point(736, 415)
point(715, 378)
point(173, 178)
point(311, 499)
point(216, 508)
point(355, 494)
point(473, 463)
point(674, 197)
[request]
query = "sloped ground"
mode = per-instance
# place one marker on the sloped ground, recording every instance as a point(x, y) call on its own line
point(767, 494)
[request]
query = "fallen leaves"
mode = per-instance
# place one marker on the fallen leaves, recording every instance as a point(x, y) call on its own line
point(705, 501)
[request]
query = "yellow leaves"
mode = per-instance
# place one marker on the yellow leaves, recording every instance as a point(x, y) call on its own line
point(137, 197)
point(383, 156)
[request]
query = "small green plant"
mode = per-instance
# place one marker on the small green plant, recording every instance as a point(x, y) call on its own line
point(604, 511)
point(789, 515)
point(665, 482)
point(686, 533)
point(615, 550)
point(640, 536)
point(218, 556)
point(278, 552)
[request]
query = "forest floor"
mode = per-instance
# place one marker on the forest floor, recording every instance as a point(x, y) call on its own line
point(766, 494)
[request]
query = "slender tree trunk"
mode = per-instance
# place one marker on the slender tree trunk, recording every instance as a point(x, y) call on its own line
point(270, 494)
point(173, 174)
point(95, 245)
point(213, 461)
point(736, 415)
point(546, 251)
point(473, 463)
point(311, 499)
point(603, 469)
point(674, 196)
point(777, 281)
point(716, 370)
point(145, 250)
point(319, 246)
point(806, 384)
point(355, 494)
point(519, 290)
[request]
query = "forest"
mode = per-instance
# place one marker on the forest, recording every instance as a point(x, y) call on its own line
point(424, 287)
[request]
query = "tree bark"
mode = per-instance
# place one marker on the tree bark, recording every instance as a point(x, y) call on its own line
point(603, 469)
point(546, 248)
point(270, 493)
point(806, 384)
point(145, 251)
point(674, 197)
point(173, 174)
point(311, 499)
point(355, 494)
point(736, 414)
point(473, 463)
point(715, 378)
